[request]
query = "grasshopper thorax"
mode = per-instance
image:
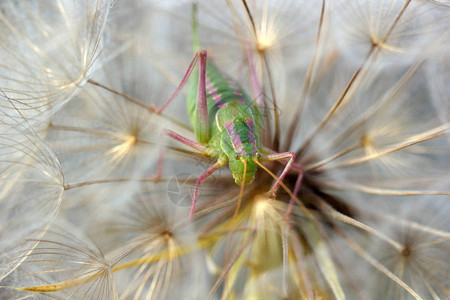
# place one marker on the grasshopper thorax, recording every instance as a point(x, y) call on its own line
point(241, 152)
point(238, 141)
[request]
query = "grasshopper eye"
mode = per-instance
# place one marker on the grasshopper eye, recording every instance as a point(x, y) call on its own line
point(237, 156)
point(258, 155)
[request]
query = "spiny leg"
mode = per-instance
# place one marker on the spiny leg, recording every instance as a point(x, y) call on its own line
point(183, 81)
point(201, 127)
point(185, 141)
point(181, 139)
point(290, 156)
point(216, 166)
point(220, 163)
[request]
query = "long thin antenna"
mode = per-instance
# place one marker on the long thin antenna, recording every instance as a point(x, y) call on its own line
point(236, 211)
point(241, 192)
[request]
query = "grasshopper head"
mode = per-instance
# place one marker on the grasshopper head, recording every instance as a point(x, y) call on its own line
point(237, 169)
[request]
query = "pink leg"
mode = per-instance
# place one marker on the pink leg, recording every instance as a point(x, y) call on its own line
point(182, 139)
point(201, 124)
point(201, 127)
point(185, 141)
point(219, 164)
point(199, 53)
point(290, 156)
point(289, 165)
point(298, 184)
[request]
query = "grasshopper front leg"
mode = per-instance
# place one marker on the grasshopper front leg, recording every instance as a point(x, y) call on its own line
point(290, 156)
point(183, 140)
point(220, 163)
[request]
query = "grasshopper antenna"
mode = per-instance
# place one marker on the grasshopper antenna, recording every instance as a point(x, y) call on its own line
point(241, 192)
point(236, 211)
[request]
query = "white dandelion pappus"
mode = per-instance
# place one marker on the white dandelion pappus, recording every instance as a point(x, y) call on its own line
point(48, 51)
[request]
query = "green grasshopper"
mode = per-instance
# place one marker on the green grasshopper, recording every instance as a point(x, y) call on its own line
point(226, 123)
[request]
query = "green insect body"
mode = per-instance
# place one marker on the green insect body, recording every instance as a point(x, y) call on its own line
point(227, 125)
point(234, 122)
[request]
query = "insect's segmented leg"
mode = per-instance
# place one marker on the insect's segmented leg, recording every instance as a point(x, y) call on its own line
point(199, 53)
point(219, 164)
point(185, 141)
point(290, 156)
point(298, 184)
point(181, 139)
point(290, 164)
point(201, 126)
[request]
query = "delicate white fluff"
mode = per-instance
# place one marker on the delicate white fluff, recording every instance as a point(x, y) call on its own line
point(48, 50)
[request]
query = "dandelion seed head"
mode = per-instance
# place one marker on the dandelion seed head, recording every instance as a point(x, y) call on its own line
point(356, 90)
point(32, 185)
point(66, 266)
point(105, 129)
point(154, 253)
point(50, 50)
point(423, 243)
point(267, 35)
point(379, 28)
point(261, 205)
point(265, 42)
point(127, 144)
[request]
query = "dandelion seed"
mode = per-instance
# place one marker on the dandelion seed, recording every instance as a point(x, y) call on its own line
point(48, 51)
point(158, 257)
point(31, 184)
point(108, 132)
point(416, 261)
point(65, 265)
point(370, 24)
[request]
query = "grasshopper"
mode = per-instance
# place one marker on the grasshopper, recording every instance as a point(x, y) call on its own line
point(226, 123)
